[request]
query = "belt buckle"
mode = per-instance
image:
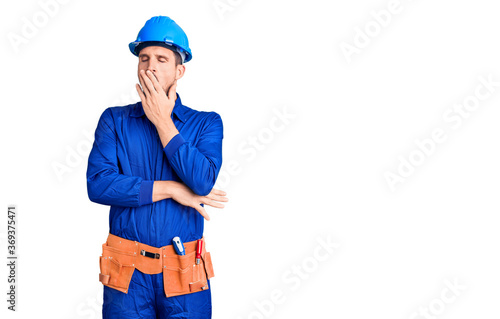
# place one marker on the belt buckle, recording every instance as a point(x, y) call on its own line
point(150, 255)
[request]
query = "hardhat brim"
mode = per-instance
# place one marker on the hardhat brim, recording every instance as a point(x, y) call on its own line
point(134, 48)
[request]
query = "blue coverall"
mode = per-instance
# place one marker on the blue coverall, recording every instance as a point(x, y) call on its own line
point(126, 158)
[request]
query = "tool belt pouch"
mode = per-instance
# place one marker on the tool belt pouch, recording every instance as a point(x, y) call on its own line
point(116, 272)
point(181, 274)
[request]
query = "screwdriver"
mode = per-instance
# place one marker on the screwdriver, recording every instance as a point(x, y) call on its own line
point(199, 248)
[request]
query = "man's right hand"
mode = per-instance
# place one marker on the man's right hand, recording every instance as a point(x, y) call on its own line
point(185, 196)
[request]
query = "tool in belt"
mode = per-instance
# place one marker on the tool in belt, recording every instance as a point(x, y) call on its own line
point(181, 274)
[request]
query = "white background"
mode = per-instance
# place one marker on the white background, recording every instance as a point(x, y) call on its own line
point(319, 177)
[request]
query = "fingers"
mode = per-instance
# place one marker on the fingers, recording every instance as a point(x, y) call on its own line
point(147, 84)
point(214, 198)
point(213, 204)
point(141, 94)
point(217, 195)
point(202, 211)
point(154, 81)
point(217, 198)
point(144, 87)
point(217, 192)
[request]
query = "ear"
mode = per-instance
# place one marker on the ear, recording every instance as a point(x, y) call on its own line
point(179, 72)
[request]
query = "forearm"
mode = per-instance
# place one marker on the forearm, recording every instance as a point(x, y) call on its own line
point(197, 163)
point(183, 195)
point(107, 187)
point(166, 131)
point(196, 170)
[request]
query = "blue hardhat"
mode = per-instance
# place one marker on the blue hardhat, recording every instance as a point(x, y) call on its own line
point(162, 30)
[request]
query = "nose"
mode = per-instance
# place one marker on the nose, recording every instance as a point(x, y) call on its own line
point(151, 67)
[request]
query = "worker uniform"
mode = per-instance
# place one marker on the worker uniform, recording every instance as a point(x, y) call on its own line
point(126, 158)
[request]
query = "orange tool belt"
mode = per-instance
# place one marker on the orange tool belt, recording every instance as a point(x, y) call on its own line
point(181, 275)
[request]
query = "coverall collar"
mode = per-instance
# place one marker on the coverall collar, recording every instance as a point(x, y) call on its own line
point(179, 110)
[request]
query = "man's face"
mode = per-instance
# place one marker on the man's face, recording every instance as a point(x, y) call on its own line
point(160, 61)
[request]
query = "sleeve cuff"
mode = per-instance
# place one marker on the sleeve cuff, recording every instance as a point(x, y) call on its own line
point(146, 193)
point(173, 145)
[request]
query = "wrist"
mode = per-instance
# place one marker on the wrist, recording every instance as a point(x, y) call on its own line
point(165, 125)
point(169, 188)
point(166, 131)
point(163, 190)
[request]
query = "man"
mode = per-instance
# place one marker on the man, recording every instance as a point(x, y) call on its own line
point(155, 163)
